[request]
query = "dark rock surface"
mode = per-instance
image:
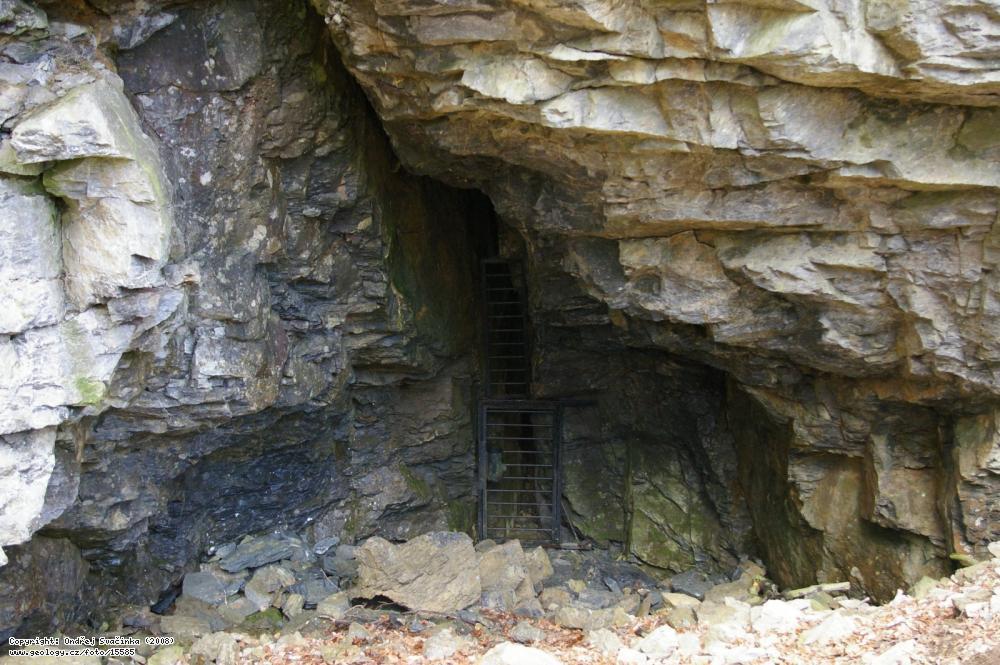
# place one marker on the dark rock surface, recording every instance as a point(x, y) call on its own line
point(316, 369)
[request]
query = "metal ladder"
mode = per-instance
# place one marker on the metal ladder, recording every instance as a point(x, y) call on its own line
point(506, 329)
point(518, 439)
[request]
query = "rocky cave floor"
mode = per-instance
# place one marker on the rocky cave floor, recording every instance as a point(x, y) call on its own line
point(276, 598)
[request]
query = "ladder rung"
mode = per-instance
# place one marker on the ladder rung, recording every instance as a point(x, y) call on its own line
point(531, 425)
point(532, 478)
point(520, 503)
point(521, 438)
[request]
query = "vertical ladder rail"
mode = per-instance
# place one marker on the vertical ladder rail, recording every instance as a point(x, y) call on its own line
point(518, 440)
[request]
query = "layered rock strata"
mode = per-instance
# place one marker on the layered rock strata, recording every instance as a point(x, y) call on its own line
point(801, 195)
point(760, 240)
point(225, 309)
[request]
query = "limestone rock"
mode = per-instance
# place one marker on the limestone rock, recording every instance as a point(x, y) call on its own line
point(335, 605)
point(256, 552)
point(504, 576)
point(605, 641)
point(219, 647)
point(314, 588)
point(17, 16)
point(776, 616)
point(293, 605)
point(660, 643)
point(209, 587)
point(539, 566)
point(508, 653)
point(184, 627)
point(525, 633)
point(324, 545)
point(27, 461)
point(833, 628)
point(172, 655)
point(30, 258)
point(184, 314)
point(762, 232)
point(443, 644)
point(692, 583)
point(438, 572)
point(629, 656)
point(235, 609)
point(725, 183)
point(587, 619)
point(680, 600)
point(554, 596)
point(273, 578)
point(681, 617)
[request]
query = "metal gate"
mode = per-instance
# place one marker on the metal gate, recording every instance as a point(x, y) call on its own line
point(519, 448)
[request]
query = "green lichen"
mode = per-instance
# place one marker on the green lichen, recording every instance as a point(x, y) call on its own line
point(416, 483)
point(91, 391)
point(318, 72)
point(462, 516)
point(352, 524)
point(592, 488)
point(269, 620)
point(979, 132)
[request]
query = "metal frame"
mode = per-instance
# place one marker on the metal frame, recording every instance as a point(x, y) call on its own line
point(504, 394)
point(498, 353)
point(548, 435)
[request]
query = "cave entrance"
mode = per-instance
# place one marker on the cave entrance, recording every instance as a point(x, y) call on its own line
point(519, 439)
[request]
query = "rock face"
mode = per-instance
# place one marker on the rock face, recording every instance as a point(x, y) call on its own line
point(437, 572)
point(225, 309)
point(760, 238)
point(801, 196)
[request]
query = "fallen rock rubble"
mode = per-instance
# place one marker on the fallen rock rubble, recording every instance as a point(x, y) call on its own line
point(499, 605)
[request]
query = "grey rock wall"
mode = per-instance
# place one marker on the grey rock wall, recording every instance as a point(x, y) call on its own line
point(802, 195)
point(226, 308)
point(761, 237)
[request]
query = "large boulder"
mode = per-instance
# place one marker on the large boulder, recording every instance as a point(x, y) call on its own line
point(437, 572)
point(504, 576)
